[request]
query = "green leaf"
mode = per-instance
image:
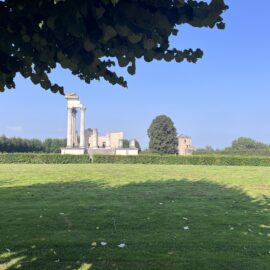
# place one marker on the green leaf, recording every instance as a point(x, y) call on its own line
point(131, 69)
point(148, 44)
point(108, 34)
point(88, 45)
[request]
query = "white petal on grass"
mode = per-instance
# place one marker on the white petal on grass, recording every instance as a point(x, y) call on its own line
point(122, 245)
point(103, 243)
point(186, 228)
point(185, 218)
point(61, 214)
point(160, 203)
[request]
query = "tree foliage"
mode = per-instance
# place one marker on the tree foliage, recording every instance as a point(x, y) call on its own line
point(240, 146)
point(162, 135)
point(90, 37)
point(53, 145)
point(19, 145)
point(244, 143)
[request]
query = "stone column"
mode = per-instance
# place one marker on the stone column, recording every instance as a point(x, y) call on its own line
point(82, 128)
point(132, 144)
point(76, 138)
point(120, 144)
point(108, 140)
point(69, 128)
point(95, 138)
point(72, 127)
point(74, 142)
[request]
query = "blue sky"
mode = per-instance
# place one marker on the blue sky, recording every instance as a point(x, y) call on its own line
point(224, 96)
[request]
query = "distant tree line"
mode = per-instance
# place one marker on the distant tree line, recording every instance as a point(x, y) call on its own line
point(240, 146)
point(19, 145)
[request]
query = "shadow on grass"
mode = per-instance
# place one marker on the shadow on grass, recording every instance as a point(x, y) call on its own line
point(163, 224)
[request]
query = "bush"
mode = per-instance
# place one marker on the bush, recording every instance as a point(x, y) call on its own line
point(191, 160)
point(42, 158)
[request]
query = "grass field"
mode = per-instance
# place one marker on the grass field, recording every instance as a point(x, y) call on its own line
point(167, 217)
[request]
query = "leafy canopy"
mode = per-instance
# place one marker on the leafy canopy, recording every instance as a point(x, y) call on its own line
point(90, 37)
point(244, 143)
point(162, 135)
point(21, 145)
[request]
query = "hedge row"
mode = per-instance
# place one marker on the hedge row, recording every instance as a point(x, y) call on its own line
point(42, 158)
point(192, 160)
point(140, 159)
point(251, 152)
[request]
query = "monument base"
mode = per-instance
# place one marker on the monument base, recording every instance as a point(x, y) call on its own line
point(113, 151)
point(73, 151)
point(127, 151)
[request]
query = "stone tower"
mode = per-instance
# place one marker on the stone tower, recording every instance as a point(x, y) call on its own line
point(185, 147)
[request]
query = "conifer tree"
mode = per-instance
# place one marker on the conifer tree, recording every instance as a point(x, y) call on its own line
point(162, 135)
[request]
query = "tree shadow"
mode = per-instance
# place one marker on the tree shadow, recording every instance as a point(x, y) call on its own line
point(163, 224)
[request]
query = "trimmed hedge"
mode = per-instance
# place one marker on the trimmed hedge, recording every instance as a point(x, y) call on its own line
point(42, 158)
point(191, 160)
point(33, 158)
point(251, 152)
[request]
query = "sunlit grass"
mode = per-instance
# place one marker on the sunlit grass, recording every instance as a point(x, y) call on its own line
point(167, 217)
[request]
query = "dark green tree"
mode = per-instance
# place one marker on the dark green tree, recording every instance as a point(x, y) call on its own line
point(137, 144)
point(248, 146)
point(126, 143)
point(53, 145)
point(90, 37)
point(162, 135)
point(244, 143)
point(20, 145)
point(36, 145)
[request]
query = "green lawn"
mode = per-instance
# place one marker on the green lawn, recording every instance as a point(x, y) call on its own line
point(169, 217)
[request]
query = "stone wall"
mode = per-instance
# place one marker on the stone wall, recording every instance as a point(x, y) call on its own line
point(100, 151)
point(127, 152)
point(115, 138)
point(185, 147)
point(101, 141)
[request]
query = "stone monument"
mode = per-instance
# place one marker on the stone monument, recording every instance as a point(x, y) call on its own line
point(73, 147)
point(89, 141)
